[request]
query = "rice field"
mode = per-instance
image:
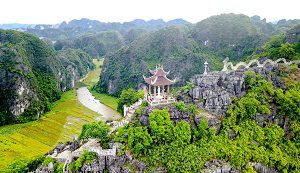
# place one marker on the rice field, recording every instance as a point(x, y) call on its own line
point(28, 140)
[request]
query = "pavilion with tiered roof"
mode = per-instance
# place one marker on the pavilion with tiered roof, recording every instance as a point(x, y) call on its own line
point(159, 80)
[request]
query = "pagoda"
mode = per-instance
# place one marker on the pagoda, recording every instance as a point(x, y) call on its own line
point(159, 80)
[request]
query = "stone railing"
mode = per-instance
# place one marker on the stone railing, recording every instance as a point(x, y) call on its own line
point(91, 146)
point(128, 113)
point(166, 99)
point(232, 67)
point(162, 102)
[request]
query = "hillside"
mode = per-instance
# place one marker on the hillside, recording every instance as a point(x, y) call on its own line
point(170, 46)
point(33, 75)
point(184, 49)
point(96, 45)
point(285, 45)
point(232, 35)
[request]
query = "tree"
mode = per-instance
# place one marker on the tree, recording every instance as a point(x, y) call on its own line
point(289, 103)
point(202, 129)
point(161, 126)
point(98, 130)
point(128, 97)
point(286, 51)
point(182, 132)
point(139, 139)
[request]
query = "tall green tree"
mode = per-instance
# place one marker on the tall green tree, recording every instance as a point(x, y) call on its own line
point(161, 126)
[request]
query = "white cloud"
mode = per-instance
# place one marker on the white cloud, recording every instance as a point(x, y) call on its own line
point(55, 11)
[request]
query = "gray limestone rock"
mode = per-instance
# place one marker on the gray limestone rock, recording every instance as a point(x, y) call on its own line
point(97, 165)
point(263, 169)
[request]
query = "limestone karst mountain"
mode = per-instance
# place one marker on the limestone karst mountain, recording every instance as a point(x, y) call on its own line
point(183, 49)
point(33, 75)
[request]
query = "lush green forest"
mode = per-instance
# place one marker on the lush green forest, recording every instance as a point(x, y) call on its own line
point(96, 45)
point(184, 49)
point(285, 45)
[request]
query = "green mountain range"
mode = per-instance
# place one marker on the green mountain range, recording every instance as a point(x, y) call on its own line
point(184, 49)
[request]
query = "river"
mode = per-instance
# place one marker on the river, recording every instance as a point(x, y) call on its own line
point(88, 100)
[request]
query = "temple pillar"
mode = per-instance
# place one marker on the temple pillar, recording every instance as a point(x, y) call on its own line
point(168, 88)
point(163, 89)
point(149, 89)
point(154, 90)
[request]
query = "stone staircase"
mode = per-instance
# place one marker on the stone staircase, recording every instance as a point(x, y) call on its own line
point(129, 113)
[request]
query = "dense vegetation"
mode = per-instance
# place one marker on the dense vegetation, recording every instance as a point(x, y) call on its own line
point(128, 97)
point(185, 148)
point(33, 75)
point(86, 157)
point(285, 45)
point(184, 49)
point(96, 130)
point(96, 45)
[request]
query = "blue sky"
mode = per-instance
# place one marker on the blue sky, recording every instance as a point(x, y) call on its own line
point(56, 11)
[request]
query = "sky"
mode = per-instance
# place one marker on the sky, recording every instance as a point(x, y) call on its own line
point(56, 11)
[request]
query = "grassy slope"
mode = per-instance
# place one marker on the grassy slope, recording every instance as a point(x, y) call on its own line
point(62, 123)
point(92, 79)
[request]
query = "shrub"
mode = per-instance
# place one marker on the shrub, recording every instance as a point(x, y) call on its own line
point(48, 160)
point(128, 97)
point(289, 103)
point(141, 108)
point(161, 126)
point(187, 87)
point(98, 130)
point(139, 140)
point(180, 106)
point(182, 132)
point(86, 157)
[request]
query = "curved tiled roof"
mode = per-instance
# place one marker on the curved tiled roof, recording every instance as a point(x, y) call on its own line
point(159, 77)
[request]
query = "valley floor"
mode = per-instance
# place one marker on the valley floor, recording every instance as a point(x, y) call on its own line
point(61, 124)
point(92, 78)
point(28, 140)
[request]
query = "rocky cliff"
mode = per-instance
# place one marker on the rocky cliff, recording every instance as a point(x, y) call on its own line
point(214, 91)
point(33, 75)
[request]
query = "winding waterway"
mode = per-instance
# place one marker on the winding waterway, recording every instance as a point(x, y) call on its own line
point(88, 100)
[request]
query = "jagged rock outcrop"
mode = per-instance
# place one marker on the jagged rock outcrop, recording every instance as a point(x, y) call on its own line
point(43, 169)
point(214, 91)
point(97, 165)
point(263, 169)
point(104, 160)
point(219, 166)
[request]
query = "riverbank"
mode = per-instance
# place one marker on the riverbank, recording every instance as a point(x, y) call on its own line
point(88, 100)
point(92, 78)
